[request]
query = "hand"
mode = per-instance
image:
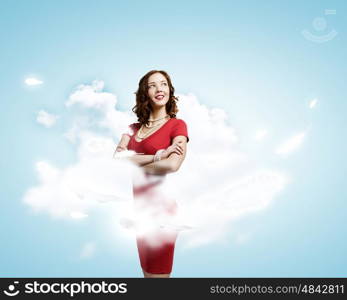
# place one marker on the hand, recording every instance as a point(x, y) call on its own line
point(120, 148)
point(174, 148)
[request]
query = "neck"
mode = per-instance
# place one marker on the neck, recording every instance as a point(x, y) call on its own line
point(158, 113)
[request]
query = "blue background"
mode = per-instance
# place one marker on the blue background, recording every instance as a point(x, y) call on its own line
point(246, 57)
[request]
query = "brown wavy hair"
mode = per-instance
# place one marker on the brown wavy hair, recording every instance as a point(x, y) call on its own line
point(143, 107)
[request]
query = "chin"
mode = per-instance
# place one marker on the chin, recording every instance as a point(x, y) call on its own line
point(159, 104)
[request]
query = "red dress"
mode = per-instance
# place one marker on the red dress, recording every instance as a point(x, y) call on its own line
point(156, 259)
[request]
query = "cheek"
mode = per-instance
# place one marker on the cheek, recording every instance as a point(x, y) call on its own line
point(150, 93)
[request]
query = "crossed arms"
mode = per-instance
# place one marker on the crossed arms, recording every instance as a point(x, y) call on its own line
point(172, 157)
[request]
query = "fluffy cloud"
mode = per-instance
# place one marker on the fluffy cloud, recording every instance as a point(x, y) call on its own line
point(260, 134)
point(46, 119)
point(33, 81)
point(313, 103)
point(291, 144)
point(216, 185)
point(74, 191)
point(87, 250)
point(93, 97)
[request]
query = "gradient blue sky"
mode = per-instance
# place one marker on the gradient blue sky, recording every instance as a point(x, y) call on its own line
point(246, 57)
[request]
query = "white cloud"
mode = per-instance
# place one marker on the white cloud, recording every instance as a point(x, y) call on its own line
point(78, 215)
point(216, 185)
point(92, 96)
point(242, 238)
point(260, 134)
point(73, 191)
point(33, 81)
point(291, 144)
point(88, 250)
point(46, 119)
point(313, 103)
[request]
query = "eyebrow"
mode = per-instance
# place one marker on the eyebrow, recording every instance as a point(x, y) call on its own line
point(154, 82)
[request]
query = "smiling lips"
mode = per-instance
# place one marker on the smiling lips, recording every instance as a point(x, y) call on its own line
point(159, 97)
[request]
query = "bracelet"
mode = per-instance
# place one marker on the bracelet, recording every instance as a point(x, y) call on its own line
point(157, 155)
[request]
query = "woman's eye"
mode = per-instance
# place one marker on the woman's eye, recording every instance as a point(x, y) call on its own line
point(164, 83)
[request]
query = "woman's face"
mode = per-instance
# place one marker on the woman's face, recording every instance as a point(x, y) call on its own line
point(158, 90)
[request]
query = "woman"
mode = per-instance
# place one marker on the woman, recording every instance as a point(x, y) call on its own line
point(160, 141)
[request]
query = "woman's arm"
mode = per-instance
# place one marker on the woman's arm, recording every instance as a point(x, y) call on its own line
point(160, 167)
point(138, 159)
point(123, 143)
point(173, 156)
point(175, 159)
point(141, 159)
point(170, 164)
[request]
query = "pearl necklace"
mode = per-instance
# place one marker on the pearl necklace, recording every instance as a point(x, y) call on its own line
point(139, 133)
point(155, 120)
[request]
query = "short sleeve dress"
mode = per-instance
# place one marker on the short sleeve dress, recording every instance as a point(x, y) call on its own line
point(156, 259)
